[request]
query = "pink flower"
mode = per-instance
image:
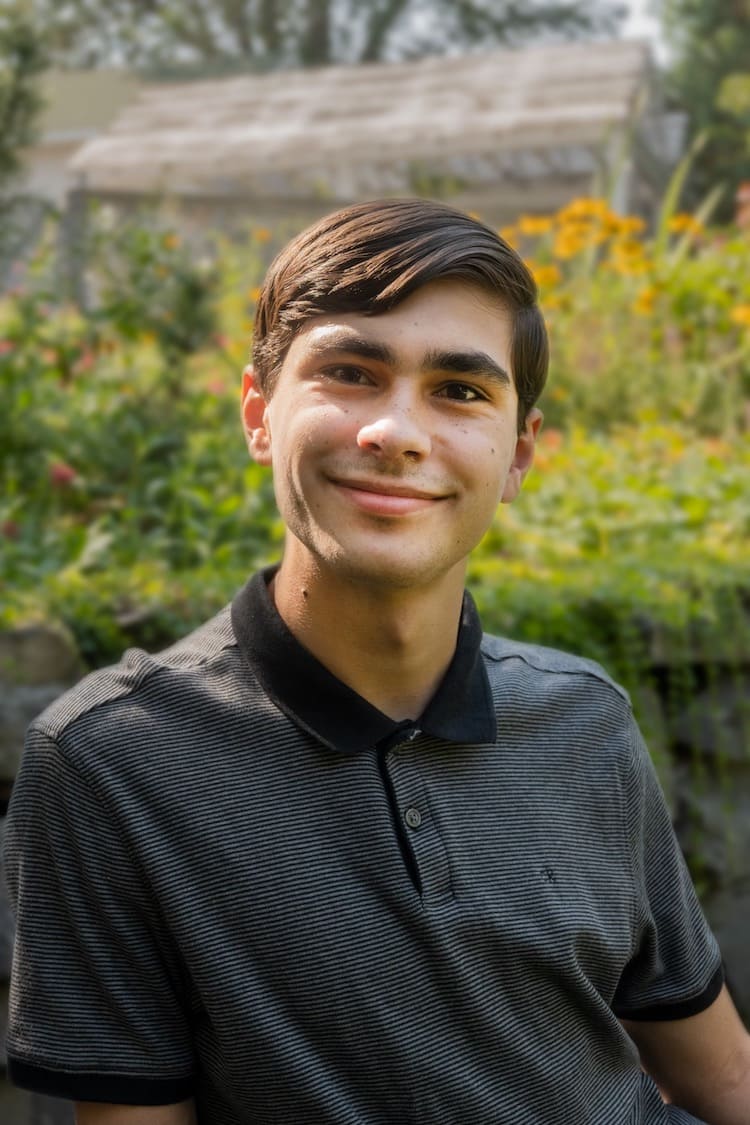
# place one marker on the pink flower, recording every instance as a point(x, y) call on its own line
point(6, 346)
point(85, 361)
point(61, 474)
point(10, 529)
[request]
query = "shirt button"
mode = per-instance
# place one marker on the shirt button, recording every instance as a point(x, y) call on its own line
point(413, 817)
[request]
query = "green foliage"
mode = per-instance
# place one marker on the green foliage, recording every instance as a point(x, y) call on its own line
point(642, 327)
point(22, 59)
point(130, 510)
point(710, 78)
point(111, 444)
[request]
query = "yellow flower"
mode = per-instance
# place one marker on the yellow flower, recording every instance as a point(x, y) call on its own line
point(547, 276)
point(585, 208)
point(170, 241)
point(628, 257)
point(629, 224)
point(683, 223)
point(253, 295)
point(740, 314)
point(569, 241)
point(262, 234)
point(644, 302)
point(534, 225)
point(509, 234)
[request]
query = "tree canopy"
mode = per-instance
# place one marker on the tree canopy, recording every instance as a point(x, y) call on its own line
point(710, 79)
point(221, 35)
point(22, 59)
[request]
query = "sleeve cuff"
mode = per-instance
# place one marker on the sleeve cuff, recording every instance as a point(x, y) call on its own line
point(117, 1089)
point(680, 1009)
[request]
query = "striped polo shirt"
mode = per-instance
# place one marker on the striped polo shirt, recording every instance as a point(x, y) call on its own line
point(235, 880)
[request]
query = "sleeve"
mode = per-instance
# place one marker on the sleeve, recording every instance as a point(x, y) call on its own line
point(97, 1011)
point(677, 969)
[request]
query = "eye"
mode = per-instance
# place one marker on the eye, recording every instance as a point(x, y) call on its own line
point(347, 373)
point(462, 392)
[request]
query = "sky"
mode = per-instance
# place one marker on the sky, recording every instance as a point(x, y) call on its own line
point(642, 24)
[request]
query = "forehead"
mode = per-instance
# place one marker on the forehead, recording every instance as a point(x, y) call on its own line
point(442, 315)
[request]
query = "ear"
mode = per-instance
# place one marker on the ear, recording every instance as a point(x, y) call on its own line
point(523, 457)
point(255, 418)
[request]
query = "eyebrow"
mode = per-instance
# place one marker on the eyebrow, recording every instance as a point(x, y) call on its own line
point(469, 362)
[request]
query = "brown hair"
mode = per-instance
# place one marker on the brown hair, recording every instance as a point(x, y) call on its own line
point(368, 257)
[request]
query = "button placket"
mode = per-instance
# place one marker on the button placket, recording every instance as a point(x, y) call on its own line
point(404, 764)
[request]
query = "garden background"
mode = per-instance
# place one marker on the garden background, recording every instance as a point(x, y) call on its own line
point(130, 511)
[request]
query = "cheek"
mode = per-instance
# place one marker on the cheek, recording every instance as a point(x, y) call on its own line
point(304, 437)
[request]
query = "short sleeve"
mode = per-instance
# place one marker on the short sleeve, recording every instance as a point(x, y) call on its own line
point(96, 1009)
point(677, 970)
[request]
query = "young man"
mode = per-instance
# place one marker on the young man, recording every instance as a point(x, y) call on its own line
point(335, 858)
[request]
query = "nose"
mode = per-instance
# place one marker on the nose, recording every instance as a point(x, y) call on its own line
point(397, 431)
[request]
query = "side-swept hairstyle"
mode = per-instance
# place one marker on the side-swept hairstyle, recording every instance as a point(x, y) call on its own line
point(368, 257)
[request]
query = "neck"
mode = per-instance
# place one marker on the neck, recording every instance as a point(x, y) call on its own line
point(392, 646)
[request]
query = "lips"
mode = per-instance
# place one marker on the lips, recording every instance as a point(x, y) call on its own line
point(387, 498)
point(390, 488)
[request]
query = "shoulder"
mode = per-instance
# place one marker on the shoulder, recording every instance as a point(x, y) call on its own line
point(534, 663)
point(559, 699)
point(144, 686)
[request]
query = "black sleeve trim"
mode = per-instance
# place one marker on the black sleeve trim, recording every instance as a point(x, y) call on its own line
point(682, 1008)
point(117, 1089)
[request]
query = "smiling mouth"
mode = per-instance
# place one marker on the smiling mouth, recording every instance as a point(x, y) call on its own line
point(389, 488)
point(385, 498)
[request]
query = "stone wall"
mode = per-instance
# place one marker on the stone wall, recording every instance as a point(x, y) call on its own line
point(36, 665)
point(701, 745)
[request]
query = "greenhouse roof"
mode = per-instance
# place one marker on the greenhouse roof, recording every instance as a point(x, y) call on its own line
point(344, 131)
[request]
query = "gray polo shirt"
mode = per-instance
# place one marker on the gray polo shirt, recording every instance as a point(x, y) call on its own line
point(236, 880)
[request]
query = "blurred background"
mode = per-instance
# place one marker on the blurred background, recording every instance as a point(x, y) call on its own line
point(154, 156)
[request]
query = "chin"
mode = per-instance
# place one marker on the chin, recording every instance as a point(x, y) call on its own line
point(395, 573)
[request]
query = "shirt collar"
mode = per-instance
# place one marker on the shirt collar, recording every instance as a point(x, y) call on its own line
point(460, 711)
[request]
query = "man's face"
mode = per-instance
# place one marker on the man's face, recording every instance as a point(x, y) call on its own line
point(393, 438)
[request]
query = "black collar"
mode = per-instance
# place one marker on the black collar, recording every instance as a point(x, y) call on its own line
point(460, 711)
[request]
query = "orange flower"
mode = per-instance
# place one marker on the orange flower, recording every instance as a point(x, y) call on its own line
point(740, 314)
point(262, 234)
point(552, 439)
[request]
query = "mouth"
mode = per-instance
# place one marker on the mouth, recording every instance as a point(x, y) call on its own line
point(387, 498)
